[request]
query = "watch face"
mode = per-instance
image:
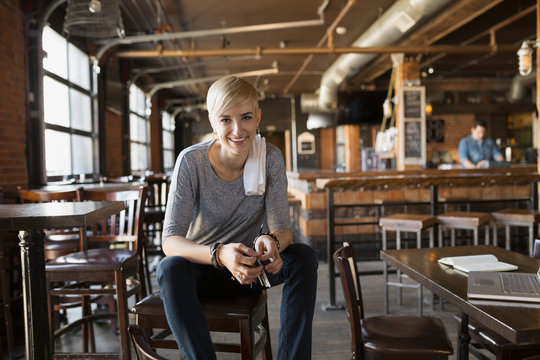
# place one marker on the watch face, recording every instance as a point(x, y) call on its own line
point(435, 130)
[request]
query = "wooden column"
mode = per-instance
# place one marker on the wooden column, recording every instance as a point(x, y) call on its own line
point(537, 85)
point(327, 148)
point(538, 79)
point(407, 73)
point(352, 148)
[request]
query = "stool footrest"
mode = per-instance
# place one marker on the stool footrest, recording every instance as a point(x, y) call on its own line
point(403, 285)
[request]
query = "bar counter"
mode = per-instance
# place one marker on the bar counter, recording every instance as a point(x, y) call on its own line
point(377, 189)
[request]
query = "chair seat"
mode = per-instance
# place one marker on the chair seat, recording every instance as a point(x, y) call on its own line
point(517, 215)
point(464, 218)
point(237, 305)
point(244, 313)
point(402, 334)
point(93, 260)
point(408, 221)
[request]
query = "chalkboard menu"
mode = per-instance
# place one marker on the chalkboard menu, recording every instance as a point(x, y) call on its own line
point(413, 139)
point(413, 103)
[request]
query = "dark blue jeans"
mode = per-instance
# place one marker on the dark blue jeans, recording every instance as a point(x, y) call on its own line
point(182, 282)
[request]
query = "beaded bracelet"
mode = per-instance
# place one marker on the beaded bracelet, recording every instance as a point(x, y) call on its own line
point(213, 254)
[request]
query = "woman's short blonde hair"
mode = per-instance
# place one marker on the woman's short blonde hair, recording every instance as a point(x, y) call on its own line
point(228, 92)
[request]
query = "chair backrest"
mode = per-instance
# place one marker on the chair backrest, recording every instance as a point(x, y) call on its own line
point(352, 292)
point(142, 346)
point(158, 189)
point(536, 249)
point(124, 227)
point(39, 196)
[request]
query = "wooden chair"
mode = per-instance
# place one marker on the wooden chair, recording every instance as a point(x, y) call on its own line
point(245, 314)
point(57, 242)
point(154, 214)
point(115, 266)
point(403, 337)
point(142, 345)
point(484, 338)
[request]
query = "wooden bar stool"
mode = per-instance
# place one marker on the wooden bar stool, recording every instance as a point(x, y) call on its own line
point(464, 220)
point(515, 217)
point(241, 313)
point(404, 223)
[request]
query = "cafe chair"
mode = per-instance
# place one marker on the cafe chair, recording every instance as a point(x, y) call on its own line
point(141, 344)
point(403, 337)
point(109, 265)
point(57, 242)
point(404, 223)
point(515, 217)
point(154, 214)
point(245, 314)
point(484, 338)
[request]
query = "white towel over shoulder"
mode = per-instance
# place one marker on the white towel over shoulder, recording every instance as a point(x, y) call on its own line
point(255, 168)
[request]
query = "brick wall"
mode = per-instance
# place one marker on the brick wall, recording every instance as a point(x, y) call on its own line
point(456, 127)
point(12, 96)
point(113, 143)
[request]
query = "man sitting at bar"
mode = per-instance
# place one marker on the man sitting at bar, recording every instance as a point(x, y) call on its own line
point(476, 150)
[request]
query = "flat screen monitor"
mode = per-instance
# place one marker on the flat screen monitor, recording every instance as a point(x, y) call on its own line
point(360, 107)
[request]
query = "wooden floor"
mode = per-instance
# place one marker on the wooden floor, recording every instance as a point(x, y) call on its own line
point(331, 333)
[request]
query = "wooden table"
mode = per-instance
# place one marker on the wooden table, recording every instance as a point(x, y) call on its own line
point(432, 182)
point(30, 220)
point(519, 324)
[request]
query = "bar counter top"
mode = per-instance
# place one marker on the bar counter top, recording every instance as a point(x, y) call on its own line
point(319, 180)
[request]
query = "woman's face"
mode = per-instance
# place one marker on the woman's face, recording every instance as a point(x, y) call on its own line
point(236, 127)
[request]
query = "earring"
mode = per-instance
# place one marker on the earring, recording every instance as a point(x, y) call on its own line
point(258, 131)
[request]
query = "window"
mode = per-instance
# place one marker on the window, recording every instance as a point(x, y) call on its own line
point(68, 97)
point(167, 125)
point(139, 130)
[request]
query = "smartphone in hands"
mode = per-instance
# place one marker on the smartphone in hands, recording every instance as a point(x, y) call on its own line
point(263, 279)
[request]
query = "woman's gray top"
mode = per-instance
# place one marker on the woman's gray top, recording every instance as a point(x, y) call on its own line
point(206, 209)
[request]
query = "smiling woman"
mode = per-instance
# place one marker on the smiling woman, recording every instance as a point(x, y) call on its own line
point(218, 232)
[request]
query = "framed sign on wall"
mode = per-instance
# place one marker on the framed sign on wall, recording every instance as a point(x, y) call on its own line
point(412, 127)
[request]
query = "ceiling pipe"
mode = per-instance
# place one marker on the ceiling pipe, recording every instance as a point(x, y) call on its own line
point(258, 52)
point(392, 26)
point(519, 85)
point(204, 33)
point(137, 73)
point(171, 84)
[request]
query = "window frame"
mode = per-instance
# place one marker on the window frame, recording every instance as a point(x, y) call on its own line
point(91, 134)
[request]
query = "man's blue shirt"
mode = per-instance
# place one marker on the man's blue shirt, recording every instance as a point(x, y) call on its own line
point(471, 149)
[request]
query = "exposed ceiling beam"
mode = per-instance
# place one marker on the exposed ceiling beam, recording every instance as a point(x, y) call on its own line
point(450, 49)
point(455, 17)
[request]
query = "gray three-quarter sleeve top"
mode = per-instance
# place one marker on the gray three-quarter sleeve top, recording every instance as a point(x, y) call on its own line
point(206, 209)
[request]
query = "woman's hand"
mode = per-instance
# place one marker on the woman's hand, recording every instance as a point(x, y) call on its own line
point(239, 260)
point(266, 248)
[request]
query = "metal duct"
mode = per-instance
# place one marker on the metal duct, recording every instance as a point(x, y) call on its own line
point(391, 27)
point(518, 86)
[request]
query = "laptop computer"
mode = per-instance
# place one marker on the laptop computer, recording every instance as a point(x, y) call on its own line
point(504, 286)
